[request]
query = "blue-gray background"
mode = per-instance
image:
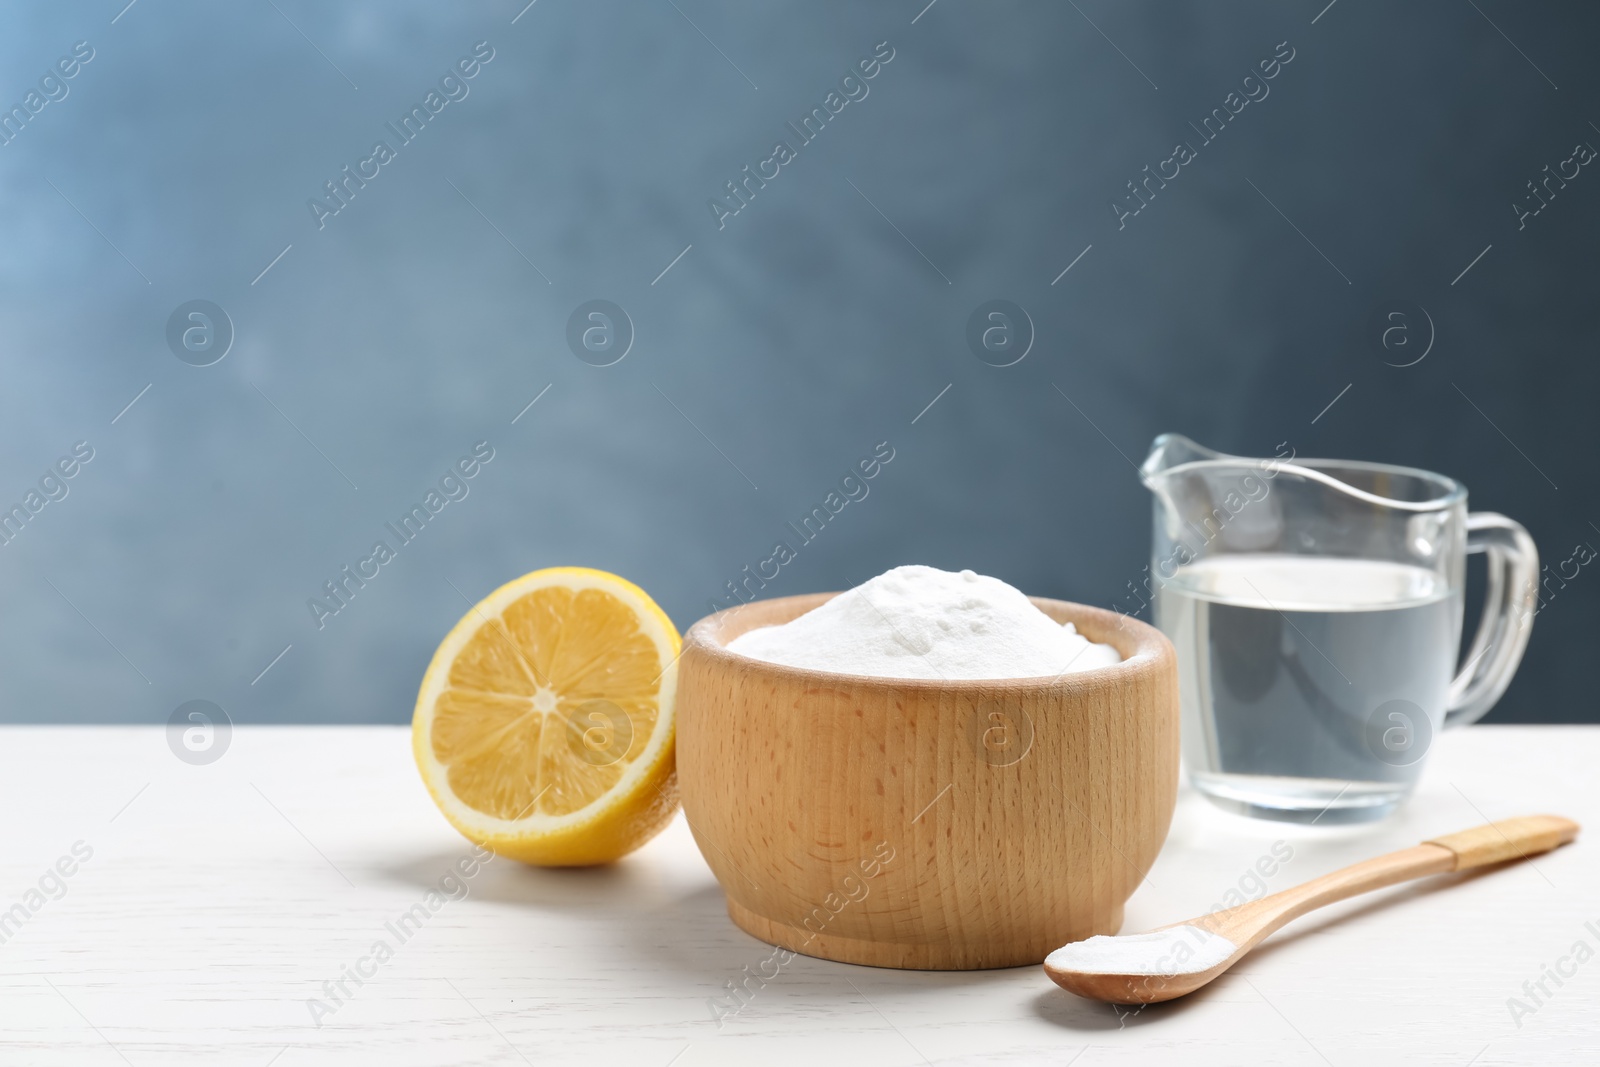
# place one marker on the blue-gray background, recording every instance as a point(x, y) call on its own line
point(820, 320)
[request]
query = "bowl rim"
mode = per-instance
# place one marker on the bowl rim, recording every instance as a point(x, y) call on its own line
point(1149, 645)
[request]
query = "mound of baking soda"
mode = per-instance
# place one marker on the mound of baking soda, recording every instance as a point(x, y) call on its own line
point(922, 622)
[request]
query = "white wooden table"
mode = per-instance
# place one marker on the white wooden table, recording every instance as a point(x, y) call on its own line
point(217, 901)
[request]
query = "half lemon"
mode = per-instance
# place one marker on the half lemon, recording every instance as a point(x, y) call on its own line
point(544, 726)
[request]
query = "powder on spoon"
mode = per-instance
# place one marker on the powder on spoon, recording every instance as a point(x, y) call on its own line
point(1177, 950)
point(922, 622)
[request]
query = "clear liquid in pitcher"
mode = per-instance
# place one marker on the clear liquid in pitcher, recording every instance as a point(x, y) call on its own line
point(1311, 686)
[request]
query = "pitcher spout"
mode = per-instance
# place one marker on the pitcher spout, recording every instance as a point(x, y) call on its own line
point(1203, 491)
point(1172, 450)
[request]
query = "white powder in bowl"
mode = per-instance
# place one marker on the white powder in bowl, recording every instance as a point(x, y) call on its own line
point(1177, 950)
point(922, 622)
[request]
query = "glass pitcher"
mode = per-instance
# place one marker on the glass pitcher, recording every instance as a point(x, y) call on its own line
point(1316, 606)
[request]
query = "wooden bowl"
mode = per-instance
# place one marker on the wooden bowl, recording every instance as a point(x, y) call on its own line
point(927, 824)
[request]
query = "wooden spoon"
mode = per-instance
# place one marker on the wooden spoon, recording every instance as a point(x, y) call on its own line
point(1249, 924)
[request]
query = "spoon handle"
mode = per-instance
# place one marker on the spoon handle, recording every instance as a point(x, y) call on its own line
point(1508, 839)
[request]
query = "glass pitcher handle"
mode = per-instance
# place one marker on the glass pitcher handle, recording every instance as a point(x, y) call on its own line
point(1507, 620)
